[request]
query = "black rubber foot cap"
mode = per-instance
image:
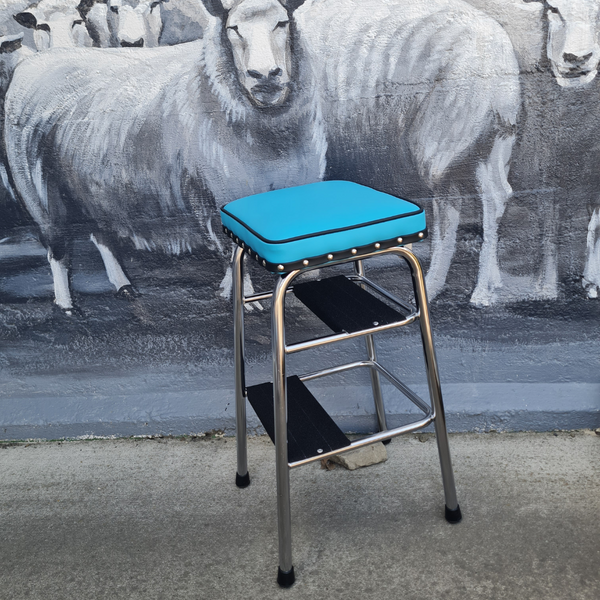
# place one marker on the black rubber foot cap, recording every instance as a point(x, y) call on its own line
point(286, 579)
point(242, 481)
point(386, 442)
point(453, 516)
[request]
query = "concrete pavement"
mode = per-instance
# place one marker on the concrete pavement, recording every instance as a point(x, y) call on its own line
point(162, 518)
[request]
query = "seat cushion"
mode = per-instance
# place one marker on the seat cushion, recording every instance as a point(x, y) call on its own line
point(312, 224)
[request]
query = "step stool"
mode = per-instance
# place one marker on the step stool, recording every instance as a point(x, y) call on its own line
point(295, 230)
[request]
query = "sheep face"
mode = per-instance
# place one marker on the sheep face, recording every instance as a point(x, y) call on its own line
point(55, 24)
point(572, 44)
point(259, 34)
point(134, 23)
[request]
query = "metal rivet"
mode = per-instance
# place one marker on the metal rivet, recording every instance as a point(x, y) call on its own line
point(305, 263)
point(399, 240)
point(330, 257)
point(375, 323)
point(280, 267)
point(243, 245)
point(421, 234)
point(319, 450)
point(377, 245)
point(353, 250)
point(237, 240)
point(264, 263)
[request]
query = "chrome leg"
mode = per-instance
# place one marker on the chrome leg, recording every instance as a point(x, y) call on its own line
point(375, 379)
point(285, 576)
point(453, 514)
point(242, 478)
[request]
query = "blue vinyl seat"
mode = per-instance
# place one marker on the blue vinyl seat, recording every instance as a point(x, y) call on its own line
point(316, 223)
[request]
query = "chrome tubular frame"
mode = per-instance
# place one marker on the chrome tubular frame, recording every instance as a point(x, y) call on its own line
point(242, 477)
point(367, 441)
point(433, 413)
point(284, 515)
point(371, 353)
point(433, 378)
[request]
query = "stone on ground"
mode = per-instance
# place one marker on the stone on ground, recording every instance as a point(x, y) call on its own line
point(361, 457)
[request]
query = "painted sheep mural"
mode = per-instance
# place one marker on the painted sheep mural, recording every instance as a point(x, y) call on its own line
point(573, 50)
point(425, 96)
point(561, 120)
point(127, 124)
point(158, 163)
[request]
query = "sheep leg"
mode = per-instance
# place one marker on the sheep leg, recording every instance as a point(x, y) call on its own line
point(60, 276)
point(446, 217)
point(492, 177)
point(547, 281)
point(114, 271)
point(591, 272)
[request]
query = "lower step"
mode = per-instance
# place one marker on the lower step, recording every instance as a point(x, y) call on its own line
point(311, 431)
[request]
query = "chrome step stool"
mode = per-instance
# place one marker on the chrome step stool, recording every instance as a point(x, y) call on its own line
point(295, 230)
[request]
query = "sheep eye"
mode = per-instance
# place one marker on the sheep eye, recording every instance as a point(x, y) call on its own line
point(115, 9)
point(282, 24)
point(78, 22)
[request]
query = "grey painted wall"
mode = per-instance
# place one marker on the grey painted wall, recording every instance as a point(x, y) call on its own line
point(456, 106)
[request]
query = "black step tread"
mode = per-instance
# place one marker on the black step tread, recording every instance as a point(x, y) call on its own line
point(310, 428)
point(344, 306)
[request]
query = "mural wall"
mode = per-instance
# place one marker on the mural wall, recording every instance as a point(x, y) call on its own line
point(129, 123)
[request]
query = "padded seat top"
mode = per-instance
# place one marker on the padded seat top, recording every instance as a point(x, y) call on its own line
point(313, 224)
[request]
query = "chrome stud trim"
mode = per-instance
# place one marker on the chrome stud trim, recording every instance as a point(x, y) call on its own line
point(399, 240)
point(280, 267)
point(264, 263)
point(377, 245)
point(330, 257)
point(421, 234)
point(353, 251)
point(305, 263)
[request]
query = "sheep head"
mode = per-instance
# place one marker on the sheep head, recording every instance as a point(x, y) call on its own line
point(260, 38)
point(134, 23)
point(572, 40)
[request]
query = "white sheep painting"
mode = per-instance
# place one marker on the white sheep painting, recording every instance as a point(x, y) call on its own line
point(573, 50)
point(557, 45)
point(146, 144)
point(422, 100)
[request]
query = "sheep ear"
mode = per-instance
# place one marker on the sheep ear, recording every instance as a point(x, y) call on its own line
point(10, 43)
point(292, 5)
point(214, 7)
point(26, 19)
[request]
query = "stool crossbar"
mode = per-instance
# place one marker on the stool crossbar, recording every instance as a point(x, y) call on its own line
point(351, 306)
